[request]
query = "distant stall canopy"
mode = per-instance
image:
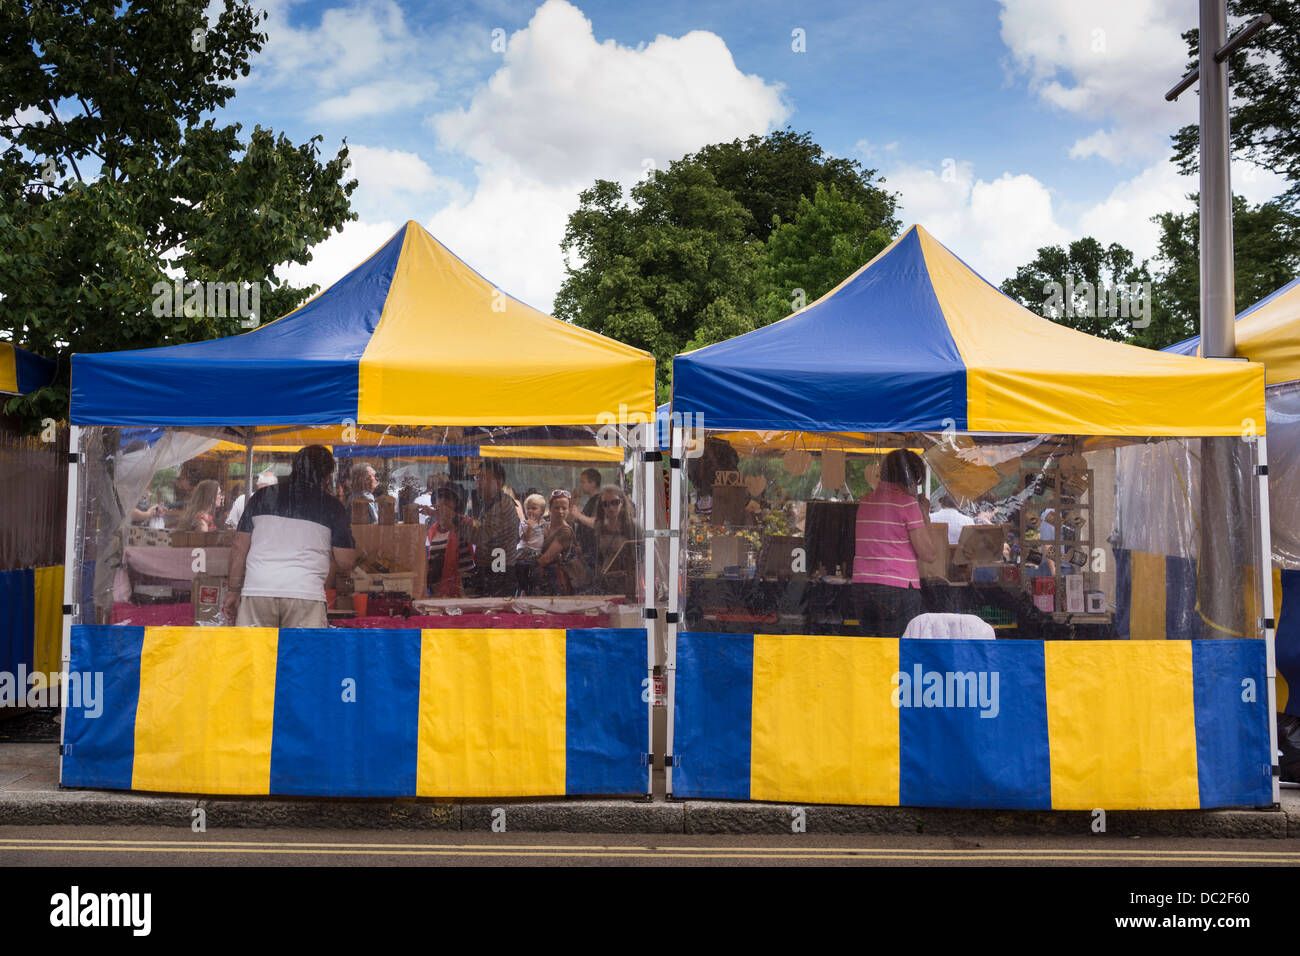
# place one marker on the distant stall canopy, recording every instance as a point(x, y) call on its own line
point(413, 336)
point(22, 371)
point(1268, 332)
point(915, 340)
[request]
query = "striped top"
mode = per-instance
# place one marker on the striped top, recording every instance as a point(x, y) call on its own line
point(883, 553)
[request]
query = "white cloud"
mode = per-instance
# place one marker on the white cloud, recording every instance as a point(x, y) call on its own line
point(370, 99)
point(994, 226)
point(510, 232)
point(1111, 60)
point(563, 110)
point(341, 253)
point(567, 108)
point(397, 185)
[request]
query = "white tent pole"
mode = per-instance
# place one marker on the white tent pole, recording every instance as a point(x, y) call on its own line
point(71, 580)
point(674, 597)
point(649, 447)
point(1266, 574)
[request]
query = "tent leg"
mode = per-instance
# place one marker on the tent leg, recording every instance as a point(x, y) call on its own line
point(648, 443)
point(71, 582)
point(674, 599)
point(1266, 580)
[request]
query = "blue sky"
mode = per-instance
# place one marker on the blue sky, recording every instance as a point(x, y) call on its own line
point(1004, 124)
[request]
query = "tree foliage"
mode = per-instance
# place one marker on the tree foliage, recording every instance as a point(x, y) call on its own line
point(114, 176)
point(1265, 120)
point(830, 238)
point(1071, 286)
point(1266, 254)
point(680, 262)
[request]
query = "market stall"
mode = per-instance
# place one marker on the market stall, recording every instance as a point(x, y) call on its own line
point(1268, 332)
point(33, 471)
point(915, 407)
point(477, 680)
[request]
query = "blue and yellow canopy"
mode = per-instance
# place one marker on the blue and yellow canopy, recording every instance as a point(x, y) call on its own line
point(22, 371)
point(915, 340)
point(412, 336)
point(1268, 332)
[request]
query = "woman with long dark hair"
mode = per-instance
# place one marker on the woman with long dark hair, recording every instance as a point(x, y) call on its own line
point(200, 513)
point(891, 536)
point(614, 529)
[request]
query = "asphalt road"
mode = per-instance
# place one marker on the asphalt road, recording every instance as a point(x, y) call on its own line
point(161, 846)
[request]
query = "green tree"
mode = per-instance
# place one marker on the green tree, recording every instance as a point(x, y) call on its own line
point(671, 267)
point(114, 177)
point(1072, 286)
point(769, 175)
point(1265, 119)
point(830, 238)
point(1266, 252)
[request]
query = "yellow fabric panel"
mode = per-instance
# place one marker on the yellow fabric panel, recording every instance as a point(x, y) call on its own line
point(1149, 593)
point(492, 713)
point(1025, 374)
point(450, 349)
point(825, 728)
point(8, 368)
point(207, 703)
point(1270, 334)
point(48, 652)
point(556, 453)
point(1121, 725)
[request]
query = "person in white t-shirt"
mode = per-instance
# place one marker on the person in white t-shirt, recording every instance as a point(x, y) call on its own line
point(264, 480)
point(948, 514)
point(289, 535)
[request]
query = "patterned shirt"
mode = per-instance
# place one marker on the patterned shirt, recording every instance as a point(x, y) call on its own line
point(884, 553)
point(498, 528)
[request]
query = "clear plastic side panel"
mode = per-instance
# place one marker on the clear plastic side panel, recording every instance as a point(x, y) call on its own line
point(33, 470)
point(1284, 473)
point(1041, 537)
point(364, 525)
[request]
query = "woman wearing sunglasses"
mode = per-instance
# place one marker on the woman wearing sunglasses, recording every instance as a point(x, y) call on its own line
point(563, 570)
point(615, 543)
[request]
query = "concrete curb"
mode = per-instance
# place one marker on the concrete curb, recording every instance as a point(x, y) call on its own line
point(100, 808)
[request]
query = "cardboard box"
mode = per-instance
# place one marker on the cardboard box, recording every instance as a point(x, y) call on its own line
point(202, 539)
point(148, 537)
point(402, 582)
point(207, 595)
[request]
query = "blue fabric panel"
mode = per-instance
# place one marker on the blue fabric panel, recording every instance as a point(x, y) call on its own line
point(17, 622)
point(32, 371)
point(307, 361)
point(715, 699)
point(895, 367)
point(950, 755)
point(1182, 620)
point(607, 723)
point(1232, 759)
point(1287, 640)
point(99, 735)
point(1123, 591)
point(323, 745)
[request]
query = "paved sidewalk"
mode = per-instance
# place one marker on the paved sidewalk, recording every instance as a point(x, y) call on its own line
point(30, 796)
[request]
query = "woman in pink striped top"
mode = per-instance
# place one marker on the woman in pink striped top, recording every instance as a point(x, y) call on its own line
point(891, 538)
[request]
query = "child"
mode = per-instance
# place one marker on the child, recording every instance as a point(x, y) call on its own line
point(532, 532)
